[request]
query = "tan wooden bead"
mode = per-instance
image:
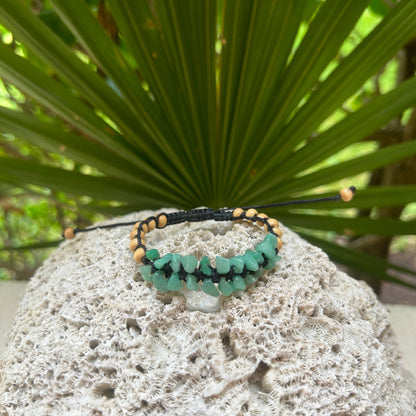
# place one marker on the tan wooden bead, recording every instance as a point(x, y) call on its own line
point(139, 254)
point(133, 234)
point(279, 243)
point(346, 194)
point(251, 212)
point(69, 233)
point(237, 212)
point(162, 221)
point(133, 244)
point(273, 222)
point(151, 225)
point(143, 242)
point(277, 231)
point(136, 226)
point(261, 216)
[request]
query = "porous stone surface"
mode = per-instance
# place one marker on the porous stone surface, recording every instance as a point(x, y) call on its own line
point(92, 338)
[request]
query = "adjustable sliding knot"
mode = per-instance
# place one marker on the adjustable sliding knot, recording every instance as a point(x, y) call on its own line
point(172, 271)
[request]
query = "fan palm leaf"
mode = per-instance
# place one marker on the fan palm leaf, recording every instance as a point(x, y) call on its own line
point(215, 103)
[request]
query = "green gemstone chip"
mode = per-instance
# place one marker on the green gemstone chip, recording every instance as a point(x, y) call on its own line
point(152, 254)
point(209, 288)
point(272, 239)
point(223, 265)
point(159, 263)
point(258, 273)
point(161, 284)
point(272, 263)
point(174, 282)
point(191, 282)
point(250, 279)
point(175, 263)
point(225, 288)
point(267, 249)
point(238, 263)
point(257, 256)
point(204, 266)
point(250, 261)
point(189, 263)
point(238, 283)
point(146, 272)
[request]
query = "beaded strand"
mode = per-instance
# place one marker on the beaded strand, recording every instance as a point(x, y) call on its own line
point(172, 271)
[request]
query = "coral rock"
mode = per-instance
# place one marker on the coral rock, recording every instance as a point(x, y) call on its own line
point(91, 337)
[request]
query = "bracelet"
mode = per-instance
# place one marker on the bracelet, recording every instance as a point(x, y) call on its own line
point(171, 271)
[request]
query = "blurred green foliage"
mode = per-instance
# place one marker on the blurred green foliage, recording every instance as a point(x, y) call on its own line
point(32, 213)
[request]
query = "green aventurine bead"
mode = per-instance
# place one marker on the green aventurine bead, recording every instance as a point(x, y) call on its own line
point(191, 282)
point(238, 263)
point(258, 273)
point(225, 288)
point(257, 256)
point(159, 263)
point(209, 288)
point(152, 254)
point(271, 263)
point(250, 279)
point(272, 239)
point(223, 265)
point(146, 272)
point(189, 263)
point(204, 266)
point(250, 262)
point(267, 249)
point(238, 283)
point(174, 282)
point(161, 284)
point(175, 263)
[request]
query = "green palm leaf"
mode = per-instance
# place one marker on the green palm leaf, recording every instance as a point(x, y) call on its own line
point(215, 103)
point(365, 262)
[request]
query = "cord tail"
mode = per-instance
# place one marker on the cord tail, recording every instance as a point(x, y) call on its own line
point(345, 195)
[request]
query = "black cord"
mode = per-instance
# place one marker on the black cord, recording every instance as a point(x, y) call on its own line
point(204, 214)
point(300, 201)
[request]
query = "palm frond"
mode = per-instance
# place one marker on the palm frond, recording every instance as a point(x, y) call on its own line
point(215, 103)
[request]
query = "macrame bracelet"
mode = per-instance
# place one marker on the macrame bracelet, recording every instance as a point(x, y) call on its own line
point(172, 271)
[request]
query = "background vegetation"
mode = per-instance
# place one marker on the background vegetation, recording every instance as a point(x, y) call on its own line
point(109, 107)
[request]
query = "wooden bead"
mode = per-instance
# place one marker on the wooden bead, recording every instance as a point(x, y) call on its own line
point(279, 243)
point(151, 224)
point(144, 227)
point(237, 212)
point(69, 233)
point(277, 231)
point(260, 223)
point(251, 212)
point(139, 254)
point(136, 226)
point(133, 234)
point(133, 244)
point(162, 220)
point(273, 222)
point(346, 194)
